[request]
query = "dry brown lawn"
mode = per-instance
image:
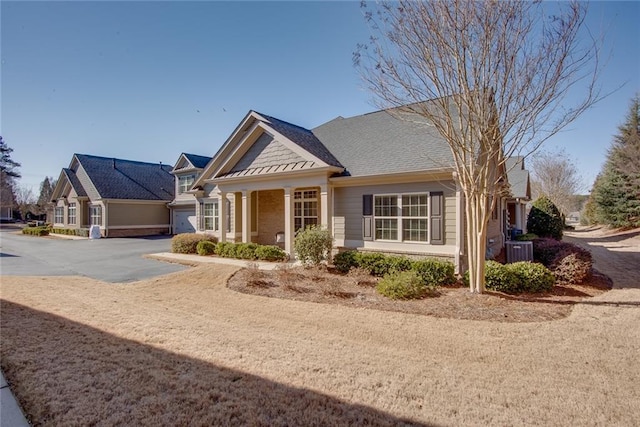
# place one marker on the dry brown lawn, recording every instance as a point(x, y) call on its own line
point(185, 349)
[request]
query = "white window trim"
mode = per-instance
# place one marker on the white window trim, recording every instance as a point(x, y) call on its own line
point(215, 216)
point(187, 186)
point(400, 217)
point(71, 219)
point(58, 215)
point(92, 216)
point(301, 201)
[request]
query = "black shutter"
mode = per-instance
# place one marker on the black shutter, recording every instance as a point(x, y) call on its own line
point(367, 217)
point(437, 217)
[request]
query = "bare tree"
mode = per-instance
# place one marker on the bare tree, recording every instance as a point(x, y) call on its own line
point(556, 176)
point(496, 74)
point(25, 200)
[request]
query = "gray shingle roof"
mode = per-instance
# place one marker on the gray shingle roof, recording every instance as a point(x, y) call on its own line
point(304, 138)
point(379, 143)
point(518, 177)
point(75, 182)
point(197, 161)
point(127, 179)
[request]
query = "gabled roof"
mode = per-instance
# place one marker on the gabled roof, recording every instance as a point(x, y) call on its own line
point(197, 161)
point(518, 177)
point(304, 138)
point(381, 143)
point(127, 179)
point(75, 182)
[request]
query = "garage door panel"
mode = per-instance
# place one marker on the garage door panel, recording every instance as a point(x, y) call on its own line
point(184, 221)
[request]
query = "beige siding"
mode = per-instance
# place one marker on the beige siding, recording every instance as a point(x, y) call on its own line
point(266, 152)
point(348, 206)
point(137, 214)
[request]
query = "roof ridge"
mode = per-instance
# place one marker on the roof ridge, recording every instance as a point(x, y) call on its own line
point(121, 160)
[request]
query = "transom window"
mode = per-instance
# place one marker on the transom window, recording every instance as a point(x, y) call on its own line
point(305, 209)
point(96, 215)
point(71, 213)
point(211, 216)
point(58, 215)
point(401, 217)
point(185, 182)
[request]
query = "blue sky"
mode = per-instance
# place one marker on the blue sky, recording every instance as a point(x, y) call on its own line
point(149, 80)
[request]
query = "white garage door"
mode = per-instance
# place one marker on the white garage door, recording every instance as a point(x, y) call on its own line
point(184, 221)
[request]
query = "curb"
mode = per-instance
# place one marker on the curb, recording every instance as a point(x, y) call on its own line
point(10, 413)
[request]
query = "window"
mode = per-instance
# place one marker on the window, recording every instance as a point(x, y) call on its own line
point(305, 209)
point(185, 182)
point(211, 217)
point(71, 213)
point(96, 215)
point(58, 215)
point(401, 217)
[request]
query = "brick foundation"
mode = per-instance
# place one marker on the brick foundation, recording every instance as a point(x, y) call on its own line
point(137, 232)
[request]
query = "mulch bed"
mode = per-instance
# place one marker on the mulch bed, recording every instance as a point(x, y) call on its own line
point(357, 289)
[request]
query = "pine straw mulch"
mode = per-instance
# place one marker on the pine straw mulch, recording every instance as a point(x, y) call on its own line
point(357, 289)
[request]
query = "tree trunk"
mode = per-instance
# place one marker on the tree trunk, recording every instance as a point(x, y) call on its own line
point(476, 225)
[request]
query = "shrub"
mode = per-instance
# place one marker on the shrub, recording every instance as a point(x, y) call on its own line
point(397, 263)
point(344, 261)
point(570, 264)
point(545, 219)
point(205, 247)
point(545, 250)
point(187, 243)
point(36, 231)
point(403, 285)
point(313, 245)
point(270, 253)
point(374, 263)
point(246, 251)
point(531, 277)
point(498, 277)
point(434, 272)
point(226, 249)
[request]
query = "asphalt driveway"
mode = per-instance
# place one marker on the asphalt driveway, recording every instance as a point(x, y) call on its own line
point(115, 260)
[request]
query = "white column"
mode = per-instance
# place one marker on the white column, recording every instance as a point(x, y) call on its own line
point(222, 212)
point(518, 218)
point(325, 217)
point(288, 221)
point(246, 216)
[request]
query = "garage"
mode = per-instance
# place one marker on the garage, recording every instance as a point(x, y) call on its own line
point(184, 221)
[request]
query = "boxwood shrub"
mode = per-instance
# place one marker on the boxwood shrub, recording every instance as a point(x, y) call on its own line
point(519, 277)
point(344, 261)
point(434, 271)
point(36, 231)
point(403, 285)
point(206, 247)
point(187, 243)
point(246, 251)
point(270, 253)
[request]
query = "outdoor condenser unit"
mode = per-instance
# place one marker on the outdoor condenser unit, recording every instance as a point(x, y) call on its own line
point(519, 251)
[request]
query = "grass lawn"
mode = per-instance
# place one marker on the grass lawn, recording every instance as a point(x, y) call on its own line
point(185, 349)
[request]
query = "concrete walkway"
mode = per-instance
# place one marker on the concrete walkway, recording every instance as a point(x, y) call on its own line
point(10, 413)
point(197, 259)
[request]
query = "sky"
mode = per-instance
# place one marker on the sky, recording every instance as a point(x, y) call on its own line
point(149, 80)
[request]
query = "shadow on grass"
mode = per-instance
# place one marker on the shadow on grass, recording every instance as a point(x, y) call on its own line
point(67, 373)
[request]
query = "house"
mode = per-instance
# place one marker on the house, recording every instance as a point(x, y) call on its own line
point(377, 182)
point(516, 214)
point(183, 208)
point(123, 197)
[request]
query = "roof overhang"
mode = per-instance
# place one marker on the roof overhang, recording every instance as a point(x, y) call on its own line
point(319, 171)
point(393, 178)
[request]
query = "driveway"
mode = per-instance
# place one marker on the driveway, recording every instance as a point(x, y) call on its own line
point(115, 260)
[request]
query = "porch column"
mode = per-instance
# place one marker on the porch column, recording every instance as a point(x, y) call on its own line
point(222, 213)
point(518, 218)
point(246, 216)
point(325, 211)
point(288, 221)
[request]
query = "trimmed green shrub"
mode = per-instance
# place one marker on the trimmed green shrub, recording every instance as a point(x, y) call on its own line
point(313, 245)
point(434, 272)
point(397, 263)
point(246, 251)
point(205, 247)
point(544, 219)
point(36, 231)
point(403, 285)
point(270, 253)
point(532, 277)
point(187, 243)
point(375, 263)
point(226, 249)
point(499, 277)
point(344, 261)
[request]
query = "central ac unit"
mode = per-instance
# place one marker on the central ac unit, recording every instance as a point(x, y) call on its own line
point(519, 251)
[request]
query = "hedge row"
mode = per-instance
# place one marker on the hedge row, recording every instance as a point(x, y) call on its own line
point(430, 271)
point(82, 232)
point(36, 231)
point(186, 243)
point(518, 277)
point(250, 251)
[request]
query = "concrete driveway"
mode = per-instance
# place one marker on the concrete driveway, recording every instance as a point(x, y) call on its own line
point(111, 260)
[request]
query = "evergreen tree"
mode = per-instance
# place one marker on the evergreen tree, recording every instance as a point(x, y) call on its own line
point(8, 173)
point(545, 219)
point(616, 192)
point(46, 190)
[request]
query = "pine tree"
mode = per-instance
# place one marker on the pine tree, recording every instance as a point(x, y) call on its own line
point(46, 190)
point(8, 174)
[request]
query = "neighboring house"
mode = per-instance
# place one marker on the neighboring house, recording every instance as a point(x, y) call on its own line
point(183, 208)
point(123, 197)
point(516, 215)
point(377, 182)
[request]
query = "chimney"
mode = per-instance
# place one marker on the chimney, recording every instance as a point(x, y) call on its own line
point(114, 163)
point(160, 165)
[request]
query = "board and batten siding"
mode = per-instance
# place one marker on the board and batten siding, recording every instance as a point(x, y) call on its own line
point(347, 219)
